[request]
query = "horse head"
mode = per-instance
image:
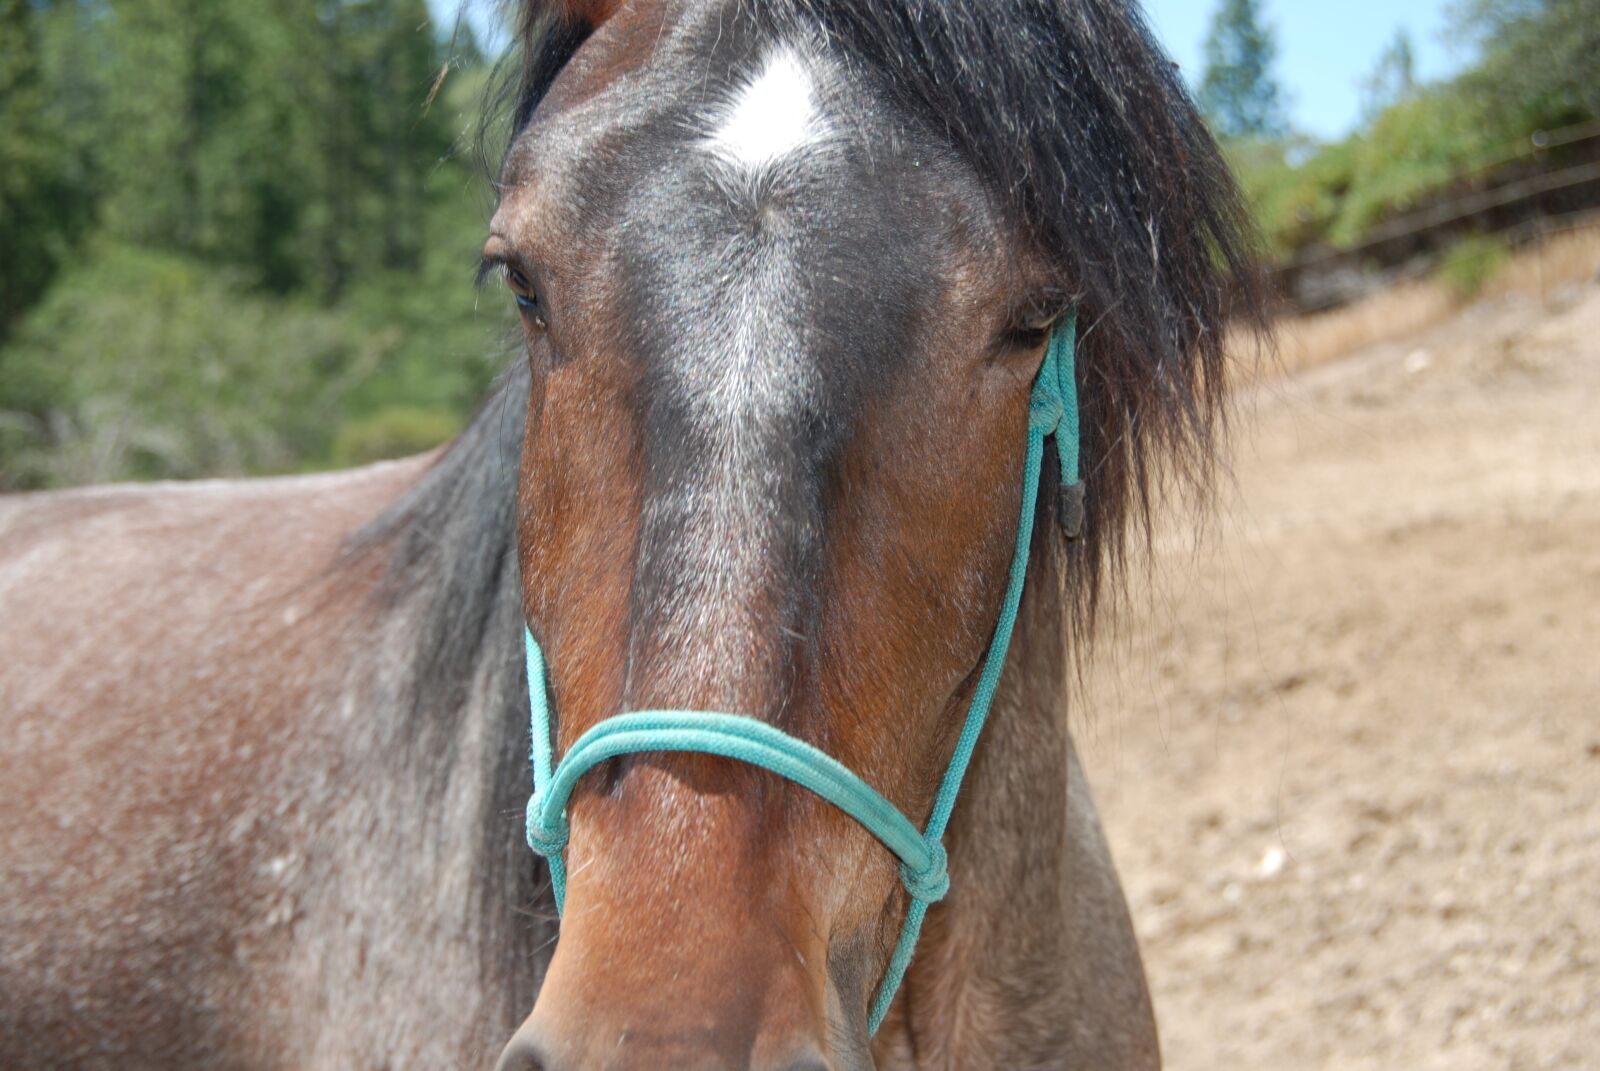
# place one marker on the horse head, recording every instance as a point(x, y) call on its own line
point(786, 276)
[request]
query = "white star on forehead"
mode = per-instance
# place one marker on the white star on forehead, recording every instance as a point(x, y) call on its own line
point(773, 116)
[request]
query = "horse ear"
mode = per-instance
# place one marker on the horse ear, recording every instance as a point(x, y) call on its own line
point(550, 32)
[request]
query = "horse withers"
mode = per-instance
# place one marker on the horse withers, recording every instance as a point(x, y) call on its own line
point(786, 273)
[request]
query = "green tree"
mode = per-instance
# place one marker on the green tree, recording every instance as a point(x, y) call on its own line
point(1393, 80)
point(289, 140)
point(43, 201)
point(1238, 92)
point(235, 237)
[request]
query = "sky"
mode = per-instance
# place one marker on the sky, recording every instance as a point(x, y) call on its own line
point(1325, 48)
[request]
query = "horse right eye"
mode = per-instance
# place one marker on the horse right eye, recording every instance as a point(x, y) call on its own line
point(527, 298)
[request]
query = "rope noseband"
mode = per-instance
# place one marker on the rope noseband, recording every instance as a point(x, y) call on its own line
point(1052, 411)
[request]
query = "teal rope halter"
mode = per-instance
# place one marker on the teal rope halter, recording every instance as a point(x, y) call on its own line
point(1052, 411)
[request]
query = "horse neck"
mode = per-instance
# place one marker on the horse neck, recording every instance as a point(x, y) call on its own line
point(1003, 832)
point(438, 761)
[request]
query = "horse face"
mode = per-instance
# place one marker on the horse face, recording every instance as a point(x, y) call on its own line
point(782, 342)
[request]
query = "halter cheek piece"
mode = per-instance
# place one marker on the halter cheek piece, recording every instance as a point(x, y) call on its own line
point(1052, 411)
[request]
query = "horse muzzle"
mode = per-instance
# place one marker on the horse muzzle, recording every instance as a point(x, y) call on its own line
point(529, 1051)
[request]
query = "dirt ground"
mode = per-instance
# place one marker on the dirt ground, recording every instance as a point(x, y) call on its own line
point(1347, 744)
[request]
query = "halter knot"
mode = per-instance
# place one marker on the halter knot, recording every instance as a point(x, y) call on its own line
point(931, 882)
point(1046, 411)
point(547, 841)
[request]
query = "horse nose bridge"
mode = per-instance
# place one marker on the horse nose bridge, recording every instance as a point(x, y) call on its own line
point(686, 841)
point(730, 529)
point(721, 621)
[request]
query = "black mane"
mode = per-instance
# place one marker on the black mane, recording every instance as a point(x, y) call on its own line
point(1080, 122)
point(448, 603)
point(1082, 126)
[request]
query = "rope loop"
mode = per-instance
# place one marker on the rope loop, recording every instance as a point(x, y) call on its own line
point(547, 841)
point(1046, 412)
point(930, 883)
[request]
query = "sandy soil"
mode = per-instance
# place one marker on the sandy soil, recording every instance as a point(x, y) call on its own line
point(1348, 746)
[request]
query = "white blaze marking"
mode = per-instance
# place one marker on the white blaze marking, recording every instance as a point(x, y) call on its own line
point(745, 374)
point(773, 116)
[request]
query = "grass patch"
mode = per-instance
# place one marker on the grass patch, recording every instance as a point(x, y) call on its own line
point(1471, 264)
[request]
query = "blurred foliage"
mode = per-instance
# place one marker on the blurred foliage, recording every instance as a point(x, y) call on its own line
point(1538, 68)
point(1540, 63)
point(1471, 263)
point(1239, 93)
point(393, 432)
point(233, 236)
point(1393, 78)
point(42, 168)
point(145, 364)
point(1411, 149)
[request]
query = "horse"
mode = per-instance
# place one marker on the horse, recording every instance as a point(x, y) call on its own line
point(784, 274)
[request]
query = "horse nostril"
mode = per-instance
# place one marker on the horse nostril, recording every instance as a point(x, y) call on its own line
point(523, 1055)
point(810, 1063)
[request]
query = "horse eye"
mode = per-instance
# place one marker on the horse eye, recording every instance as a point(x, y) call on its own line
point(526, 297)
point(1032, 333)
point(1033, 323)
